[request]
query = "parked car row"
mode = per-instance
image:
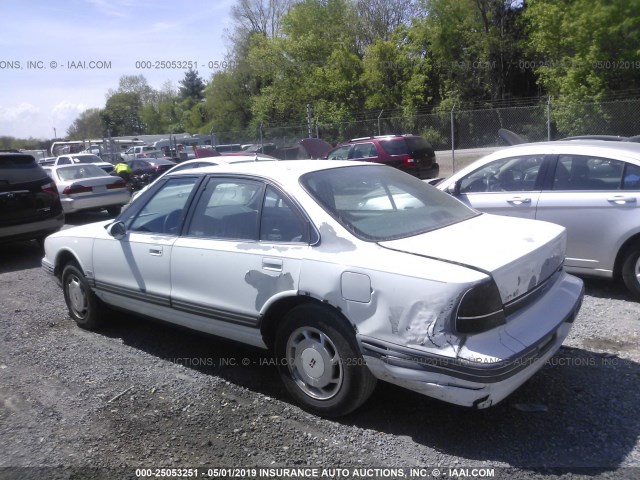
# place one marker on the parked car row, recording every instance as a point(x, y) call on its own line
point(354, 272)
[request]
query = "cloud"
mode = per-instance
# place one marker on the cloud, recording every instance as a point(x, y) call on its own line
point(23, 111)
point(63, 110)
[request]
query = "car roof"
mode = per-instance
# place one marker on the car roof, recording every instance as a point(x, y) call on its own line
point(582, 147)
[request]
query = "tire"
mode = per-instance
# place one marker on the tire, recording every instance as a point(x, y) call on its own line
point(631, 271)
point(114, 211)
point(84, 307)
point(310, 339)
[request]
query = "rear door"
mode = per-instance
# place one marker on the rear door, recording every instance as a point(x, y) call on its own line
point(597, 199)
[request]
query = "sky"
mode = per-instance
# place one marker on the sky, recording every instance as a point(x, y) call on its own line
point(61, 57)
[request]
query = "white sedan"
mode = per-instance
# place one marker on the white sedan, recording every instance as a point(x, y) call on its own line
point(348, 272)
point(87, 187)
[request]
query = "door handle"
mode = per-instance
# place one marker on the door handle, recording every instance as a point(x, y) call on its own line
point(155, 252)
point(272, 264)
point(621, 199)
point(519, 200)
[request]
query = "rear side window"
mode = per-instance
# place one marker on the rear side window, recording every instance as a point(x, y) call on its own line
point(16, 169)
point(631, 177)
point(397, 146)
point(580, 172)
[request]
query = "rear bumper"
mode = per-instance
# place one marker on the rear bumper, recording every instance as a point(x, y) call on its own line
point(425, 173)
point(29, 231)
point(476, 379)
point(71, 205)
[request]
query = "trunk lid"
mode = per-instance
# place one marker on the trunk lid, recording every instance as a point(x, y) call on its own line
point(519, 254)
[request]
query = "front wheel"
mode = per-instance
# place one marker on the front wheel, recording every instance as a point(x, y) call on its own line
point(84, 307)
point(114, 211)
point(631, 272)
point(320, 363)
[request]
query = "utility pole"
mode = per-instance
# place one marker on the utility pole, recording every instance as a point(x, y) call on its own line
point(309, 113)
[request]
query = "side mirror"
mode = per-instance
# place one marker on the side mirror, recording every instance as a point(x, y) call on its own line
point(454, 189)
point(117, 230)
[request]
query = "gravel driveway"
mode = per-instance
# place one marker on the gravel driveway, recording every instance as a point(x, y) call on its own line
point(142, 394)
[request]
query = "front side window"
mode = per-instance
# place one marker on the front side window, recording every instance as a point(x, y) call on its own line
point(378, 203)
point(165, 211)
point(513, 174)
point(364, 150)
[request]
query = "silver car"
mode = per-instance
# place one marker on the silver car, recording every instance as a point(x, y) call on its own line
point(86, 186)
point(349, 272)
point(592, 188)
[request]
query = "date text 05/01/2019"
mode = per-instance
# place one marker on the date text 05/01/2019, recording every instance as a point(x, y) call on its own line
point(184, 64)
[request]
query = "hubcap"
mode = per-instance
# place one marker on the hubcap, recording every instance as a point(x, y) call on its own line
point(636, 270)
point(314, 363)
point(77, 296)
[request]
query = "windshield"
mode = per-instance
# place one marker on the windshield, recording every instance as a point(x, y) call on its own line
point(378, 203)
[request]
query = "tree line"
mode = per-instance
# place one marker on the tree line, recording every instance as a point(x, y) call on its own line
point(349, 57)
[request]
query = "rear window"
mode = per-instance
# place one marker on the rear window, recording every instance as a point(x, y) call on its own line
point(16, 169)
point(86, 159)
point(76, 172)
point(418, 144)
point(379, 203)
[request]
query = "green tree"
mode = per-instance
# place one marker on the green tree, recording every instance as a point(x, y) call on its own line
point(192, 86)
point(474, 46)
point(121, 114)
point(88, 125)
point(585, 48)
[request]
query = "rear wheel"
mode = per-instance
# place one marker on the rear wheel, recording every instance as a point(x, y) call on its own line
point(84, 307)
point(631, 271)
point(320, 363)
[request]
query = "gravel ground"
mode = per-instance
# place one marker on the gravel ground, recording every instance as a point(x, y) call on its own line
point(142, 394)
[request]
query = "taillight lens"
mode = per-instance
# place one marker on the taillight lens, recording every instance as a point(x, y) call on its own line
point(480, 309)
point(50, 188)
point(120, 184)
point(76, 189)
point(408, 160)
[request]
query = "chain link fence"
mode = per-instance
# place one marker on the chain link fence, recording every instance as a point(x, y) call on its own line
point(471, 129)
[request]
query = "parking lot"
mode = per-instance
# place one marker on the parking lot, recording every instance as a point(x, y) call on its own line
point(144, 394)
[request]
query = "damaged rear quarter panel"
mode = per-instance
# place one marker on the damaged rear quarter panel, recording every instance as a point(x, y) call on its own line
point(412, 298)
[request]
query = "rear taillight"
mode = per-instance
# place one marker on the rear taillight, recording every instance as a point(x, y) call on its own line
point(408, 161)
point(119, 184)
point(76, 189)
point(480, 309)
point(50, 188)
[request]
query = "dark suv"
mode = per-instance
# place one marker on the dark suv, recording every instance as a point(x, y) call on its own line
point(409, 153)
point(29, 202)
